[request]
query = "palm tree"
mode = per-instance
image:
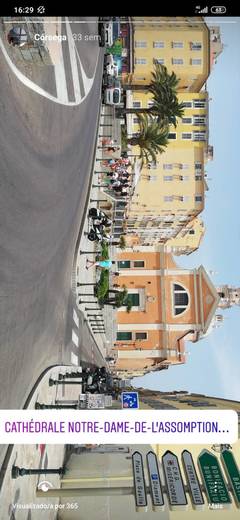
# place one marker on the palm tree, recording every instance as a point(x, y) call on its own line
point(165, 105)
point(119, 299)
point(159, 75)
point(151, 139)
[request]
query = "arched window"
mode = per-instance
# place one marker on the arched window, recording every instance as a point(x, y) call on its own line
point(180, 299)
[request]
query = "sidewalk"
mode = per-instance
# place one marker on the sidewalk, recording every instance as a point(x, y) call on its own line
point(98, 198)
point(21, 492)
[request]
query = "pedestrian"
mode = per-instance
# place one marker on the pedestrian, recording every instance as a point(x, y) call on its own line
point(102, 264)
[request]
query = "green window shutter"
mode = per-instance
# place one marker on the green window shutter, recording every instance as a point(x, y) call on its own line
point(124, 264)
point(124, 336)
point(134, 299)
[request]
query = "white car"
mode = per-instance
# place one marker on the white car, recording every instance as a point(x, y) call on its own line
point(112, 96)
point(105, 29)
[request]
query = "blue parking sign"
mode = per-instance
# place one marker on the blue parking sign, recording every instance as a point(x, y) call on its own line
point(130, 400)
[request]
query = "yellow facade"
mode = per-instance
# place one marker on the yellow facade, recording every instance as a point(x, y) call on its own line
point(181, 44)
point(170, 193)
point(188, 240)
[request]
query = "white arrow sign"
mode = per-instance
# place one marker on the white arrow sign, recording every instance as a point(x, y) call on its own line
point(139, 482)
point(174, 483)
point(155, 482)
point(192, 480)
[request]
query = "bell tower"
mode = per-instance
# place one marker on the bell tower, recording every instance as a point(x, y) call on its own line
point(229, 296)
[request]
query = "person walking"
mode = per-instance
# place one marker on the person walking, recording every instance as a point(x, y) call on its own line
point(102, 264)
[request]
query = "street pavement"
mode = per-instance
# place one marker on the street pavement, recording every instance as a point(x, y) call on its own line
point(18, 496)
point(46, 155)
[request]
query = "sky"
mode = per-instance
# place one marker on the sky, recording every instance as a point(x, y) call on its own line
point(212, 366)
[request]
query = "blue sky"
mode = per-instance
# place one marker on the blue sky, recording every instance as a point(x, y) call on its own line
point(212, 366)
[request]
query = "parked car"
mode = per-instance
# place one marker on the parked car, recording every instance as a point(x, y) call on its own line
point(112, 95)
point(109, 29)
point(105, 31)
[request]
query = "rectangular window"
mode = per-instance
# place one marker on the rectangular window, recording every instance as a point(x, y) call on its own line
point(199, 120)
point(141, 44)
point(137, 104)
point(168, 178)
point(177, 61)
point(135, 121)
point(124, 264)
point(187, 104)
point(134, 298)
point(198, 177)
point(172, 135)
point(187, 135)
point(198, 198)
point(196, 61)
point(177, 45)
point(140, 61)
point(158, 45)
point(184, 178)
point(138, 263)
point(199, 103)
point(184, 198)
point(199, 136)
point(187, 120)
point(141, 335)
point(159, 60)
point(167, 166)
point(168, 198)
point(124, 336)
point(196, 46)
point(198, 165)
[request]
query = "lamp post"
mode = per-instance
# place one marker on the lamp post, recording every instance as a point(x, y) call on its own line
point(22, 472)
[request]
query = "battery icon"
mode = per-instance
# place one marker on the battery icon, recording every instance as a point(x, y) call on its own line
point(218, 9)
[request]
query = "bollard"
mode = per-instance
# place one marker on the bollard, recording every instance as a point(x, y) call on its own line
point(42, 406)
point(21, 472)
point(53, 382)
point(92, 308)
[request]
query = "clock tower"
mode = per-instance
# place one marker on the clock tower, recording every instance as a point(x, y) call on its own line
point(229, 296)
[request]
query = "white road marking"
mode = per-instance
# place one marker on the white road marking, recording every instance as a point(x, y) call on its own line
point(73, 61)
point(60, 74)
point(74, 359)
point(75, 318)
point(75, 338)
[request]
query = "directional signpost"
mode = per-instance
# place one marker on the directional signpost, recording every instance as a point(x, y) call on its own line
point(139, 482)
point(232, 472)
point(192, 480)
point(174, 483)
point(215, 485)
point(155, 482)
point(130, 400)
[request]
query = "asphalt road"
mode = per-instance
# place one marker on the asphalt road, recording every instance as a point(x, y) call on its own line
point(46, 152)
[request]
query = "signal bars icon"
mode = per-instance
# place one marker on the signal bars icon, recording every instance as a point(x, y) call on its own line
point(201, 11)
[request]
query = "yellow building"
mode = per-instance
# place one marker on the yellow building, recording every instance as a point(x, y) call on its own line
point(182, 44)
point(188, 240)
point(170, 193)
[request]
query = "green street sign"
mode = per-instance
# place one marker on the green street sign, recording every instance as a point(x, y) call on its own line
point(232, 472)
point(216, 489)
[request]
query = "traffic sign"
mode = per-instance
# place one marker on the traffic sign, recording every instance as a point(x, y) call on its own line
point(174, 482)
point(192, 480)
point(155, 482)
point(130, 400)
point(139, 482)
point(215, 485)
point(232, 472)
